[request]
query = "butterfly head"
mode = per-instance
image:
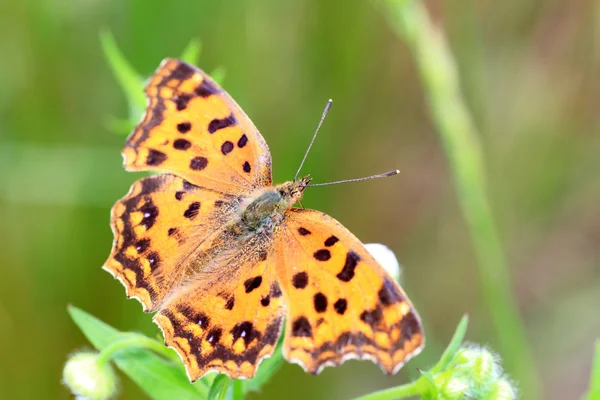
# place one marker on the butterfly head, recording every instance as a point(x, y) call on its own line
point(292, 191)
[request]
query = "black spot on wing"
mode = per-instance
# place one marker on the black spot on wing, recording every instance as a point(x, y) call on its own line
point(322, 255)
point(303, 231)
point(244, 330)
point(221, 123)
point(182, 72)
point(331, 240)
point(206, 89)
point(252, 283)
point(214, 336)
point(265, 301)
point(389, 293)
point(243, 141)
point(184, 127)
point(301, 327)
point(141, 245)
point(372, 317)
point(320, 302)
point(226, 147)
point(149, 214)
point(181, 144)
point(181, 101)
point(192, 210)
point(198, 163)
point(155, 157)
point(300, 280)
point(340, 306)
point(347, 272)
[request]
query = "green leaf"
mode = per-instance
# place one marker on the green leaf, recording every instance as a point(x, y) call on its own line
point(159, 378)
point(432, 386)
point(191, 53)
point(218, 75)
point(594, 393)
point(218, 390)
point(129, 80)
point(453, 346)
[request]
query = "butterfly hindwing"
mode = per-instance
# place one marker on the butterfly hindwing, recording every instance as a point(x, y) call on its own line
point(225, 323)
point(157, 226)
point(194, 129)
point(341, 303)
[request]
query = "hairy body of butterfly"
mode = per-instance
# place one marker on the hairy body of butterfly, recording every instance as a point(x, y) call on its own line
point(224, 258)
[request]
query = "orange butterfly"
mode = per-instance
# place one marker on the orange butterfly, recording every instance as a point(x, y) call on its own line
point(223, 255)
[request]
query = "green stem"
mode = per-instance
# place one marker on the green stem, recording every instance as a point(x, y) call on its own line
point(398, 392)
point(238, 389)
point(438, 71)
point(134, 341)
point(594, 393)
point(453, 347)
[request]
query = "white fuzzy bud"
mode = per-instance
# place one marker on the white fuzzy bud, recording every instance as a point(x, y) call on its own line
point(88, 378)
point(386, 257)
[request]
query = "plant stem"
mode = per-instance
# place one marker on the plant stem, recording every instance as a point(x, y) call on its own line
point(398, 392)
point(454, 124)
point(453, 346)
point(594, 393)
point(238, 389)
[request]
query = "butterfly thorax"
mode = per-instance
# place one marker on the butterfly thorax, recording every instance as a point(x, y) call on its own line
point(268, 205)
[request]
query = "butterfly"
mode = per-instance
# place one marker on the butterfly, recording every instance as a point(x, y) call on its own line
point(225, 259)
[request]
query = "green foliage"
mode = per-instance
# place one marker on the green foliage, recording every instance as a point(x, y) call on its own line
point(131, 83)
point(162, 376)
point(459, 137)
point(218, 390)
point(594, 392)
point(157, 370)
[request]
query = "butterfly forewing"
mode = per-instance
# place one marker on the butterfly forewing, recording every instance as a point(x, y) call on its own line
point(341, 302)
point(194, 129)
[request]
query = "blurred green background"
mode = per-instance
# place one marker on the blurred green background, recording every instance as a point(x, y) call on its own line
point(530, 74)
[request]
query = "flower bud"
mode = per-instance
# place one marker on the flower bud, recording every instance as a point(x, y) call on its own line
point(85, 376)
point(482, 363)
point(386, 257)
point(502, 390)
point(451, 386)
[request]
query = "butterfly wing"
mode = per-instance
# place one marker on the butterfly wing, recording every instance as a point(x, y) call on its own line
point(341, 303)
point(227, 321)
point(194, 129)
point(157, 226)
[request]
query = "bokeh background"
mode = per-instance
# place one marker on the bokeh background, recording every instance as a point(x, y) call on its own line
point(530, 75)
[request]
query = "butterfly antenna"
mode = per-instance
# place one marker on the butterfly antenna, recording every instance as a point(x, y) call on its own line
point(325, 111)
point(390, 173)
